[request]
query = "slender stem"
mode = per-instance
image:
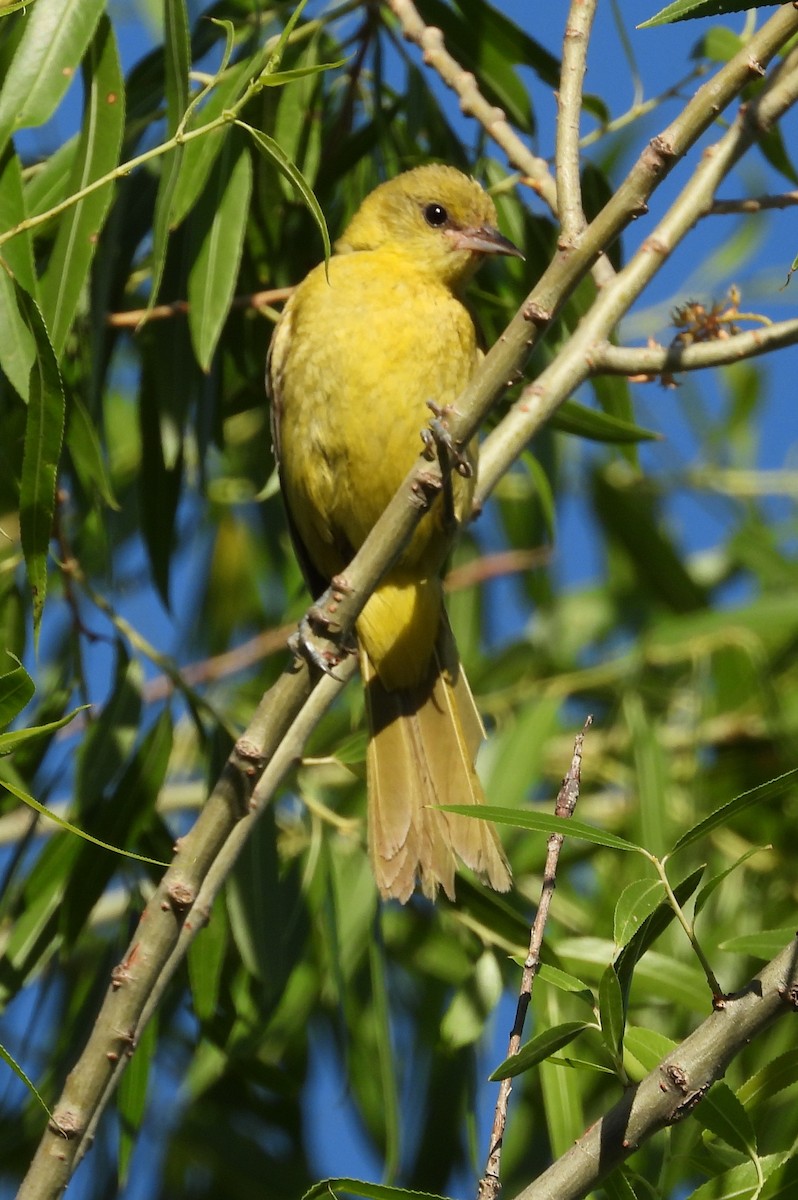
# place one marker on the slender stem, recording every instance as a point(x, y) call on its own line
point(651, 361)
point(689, 929)
point(490, 1184)
point(569, 111)
point(430, 41)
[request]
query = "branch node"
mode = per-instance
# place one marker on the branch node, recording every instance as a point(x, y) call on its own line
point(68, 1122)
point(537, 315)
point(181, 895)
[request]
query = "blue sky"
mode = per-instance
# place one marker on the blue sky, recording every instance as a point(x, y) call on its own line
point(338, 1145)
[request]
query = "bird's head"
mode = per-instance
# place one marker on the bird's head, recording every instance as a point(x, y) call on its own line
point(436, 215)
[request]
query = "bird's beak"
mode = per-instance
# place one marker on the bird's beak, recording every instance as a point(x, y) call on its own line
point(483, 239)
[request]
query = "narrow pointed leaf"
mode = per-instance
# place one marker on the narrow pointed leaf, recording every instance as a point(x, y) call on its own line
point(97, 154)
point(219, 222)
point(539, 1049)
point(20, 1074)
point(721, 816)
point(44, 432)
point(598, 426)
point(17, 346)
point(542, 823)
point(9, 742)
point(16, 689)
point(177, 54)
point(327, 1188)
point(56, 35)
point(45, 812)
point(272, 151)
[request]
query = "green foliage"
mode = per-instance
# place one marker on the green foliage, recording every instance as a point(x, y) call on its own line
point(147, 587)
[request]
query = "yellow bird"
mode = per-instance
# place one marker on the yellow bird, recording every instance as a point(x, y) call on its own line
point(358, 354)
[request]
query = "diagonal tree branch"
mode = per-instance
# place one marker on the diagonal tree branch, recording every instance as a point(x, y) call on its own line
point(297, 700)
point(678, 1084)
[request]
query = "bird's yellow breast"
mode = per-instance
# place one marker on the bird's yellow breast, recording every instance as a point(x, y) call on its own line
point(355, 360)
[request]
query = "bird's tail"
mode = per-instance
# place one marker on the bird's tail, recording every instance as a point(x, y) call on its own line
point(422, 746)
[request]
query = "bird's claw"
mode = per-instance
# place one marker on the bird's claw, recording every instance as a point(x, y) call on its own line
point(439, 443)
point(320, 620)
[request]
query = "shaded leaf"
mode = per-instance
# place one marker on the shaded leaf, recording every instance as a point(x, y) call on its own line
point(270, 148)
point(97, 153)
point(133, 1093)
point(611, 1010)
point(16, 689)
point(177, 54)
point(44, 431)
point(598, 426)
point(722, 1114)
point(218, 225)
point(360, 1187)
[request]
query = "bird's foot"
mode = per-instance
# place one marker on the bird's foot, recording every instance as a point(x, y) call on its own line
point(319, 621)
point(439, 443)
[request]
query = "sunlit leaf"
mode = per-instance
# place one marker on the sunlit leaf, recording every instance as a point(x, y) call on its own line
point(539, 1048)
point(67, 825)
point(56, 35)
point(722, 816)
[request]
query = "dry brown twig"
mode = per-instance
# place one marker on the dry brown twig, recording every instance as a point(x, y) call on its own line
point(567, 797)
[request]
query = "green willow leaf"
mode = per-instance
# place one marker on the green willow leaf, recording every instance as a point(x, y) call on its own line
point(269, 147)
point(48, 184)
point(9, 742)
point(723, 1114)
point(44, 432)
point(17, 251)
point(98, 153)
point(690, 10)
point(17, 346)
point(542, 823)
point(721, 816)
point(279, 78)
point(325, 1189)
point(87, 837)
point(177, 55)
point(539, 1048)
point(17, 1069)
point(132, 1095)
point(611, 1010)
point(16, 689)
point(598, 426)
point(636, 902)
point(56, 35)
point(218, 226)
point(86, 452)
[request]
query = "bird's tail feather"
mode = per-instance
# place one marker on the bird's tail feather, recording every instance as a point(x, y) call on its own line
point(423, 741)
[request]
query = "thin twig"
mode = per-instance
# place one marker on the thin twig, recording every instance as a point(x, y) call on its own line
point(569, 111)
point(676, 1086)
point(653, 361)
point(490, 1184)
point(429, 40)
point(565, 373)
point(752, 204)
point(132, 318)
point(160, 929)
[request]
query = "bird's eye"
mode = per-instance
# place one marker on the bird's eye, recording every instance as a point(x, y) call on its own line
point(436, 215)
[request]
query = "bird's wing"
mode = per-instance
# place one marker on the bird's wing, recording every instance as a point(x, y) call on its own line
point(278, 348)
